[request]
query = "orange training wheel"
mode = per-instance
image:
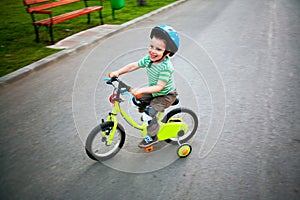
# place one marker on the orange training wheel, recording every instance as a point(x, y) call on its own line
point(148, 149)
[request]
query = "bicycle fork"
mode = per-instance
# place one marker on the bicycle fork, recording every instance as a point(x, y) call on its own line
point(108, 135)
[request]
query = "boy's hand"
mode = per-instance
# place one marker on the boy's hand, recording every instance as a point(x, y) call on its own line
point(113, 74)
point(135, 92)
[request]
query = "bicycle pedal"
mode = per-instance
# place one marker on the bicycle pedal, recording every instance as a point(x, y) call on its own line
point(148, 149)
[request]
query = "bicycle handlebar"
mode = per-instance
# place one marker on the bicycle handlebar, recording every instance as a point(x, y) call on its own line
point(122, 87)
point(109, 80)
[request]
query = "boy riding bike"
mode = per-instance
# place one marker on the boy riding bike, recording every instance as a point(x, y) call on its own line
point(160, 92)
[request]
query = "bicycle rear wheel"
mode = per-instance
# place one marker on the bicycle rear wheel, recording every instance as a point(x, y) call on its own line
point(96, 145)
point(189, 117)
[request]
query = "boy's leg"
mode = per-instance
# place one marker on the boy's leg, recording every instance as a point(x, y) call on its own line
point(158, 104)
point(146, 98)
point(162, 102)
point(152, 128)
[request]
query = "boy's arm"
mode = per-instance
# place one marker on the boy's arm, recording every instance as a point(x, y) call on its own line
point(128, 68)
point(149, 90)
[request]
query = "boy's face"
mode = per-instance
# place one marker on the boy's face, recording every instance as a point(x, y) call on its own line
point(156, 49)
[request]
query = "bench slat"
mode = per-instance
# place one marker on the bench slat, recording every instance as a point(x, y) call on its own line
point(61, 18)
point(30, 2)
point(50, 5)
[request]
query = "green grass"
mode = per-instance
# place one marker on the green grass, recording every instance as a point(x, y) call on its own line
point(17, 42)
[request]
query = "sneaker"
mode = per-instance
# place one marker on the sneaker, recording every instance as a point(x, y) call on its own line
point(148, 141)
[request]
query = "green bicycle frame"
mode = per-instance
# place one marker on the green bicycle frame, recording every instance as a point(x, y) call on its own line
point(167, 130)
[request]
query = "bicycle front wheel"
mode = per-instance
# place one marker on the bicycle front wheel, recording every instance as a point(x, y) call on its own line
point(97, 146)
point(189, 117)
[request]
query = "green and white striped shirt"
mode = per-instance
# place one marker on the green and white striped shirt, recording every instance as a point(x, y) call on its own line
point(159, 72)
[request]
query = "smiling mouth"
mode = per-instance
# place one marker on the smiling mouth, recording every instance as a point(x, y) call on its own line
point(153, 57)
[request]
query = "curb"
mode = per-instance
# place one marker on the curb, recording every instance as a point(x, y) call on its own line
point(29, 69)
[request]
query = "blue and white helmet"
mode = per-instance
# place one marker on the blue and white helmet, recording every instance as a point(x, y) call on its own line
point(169, 35)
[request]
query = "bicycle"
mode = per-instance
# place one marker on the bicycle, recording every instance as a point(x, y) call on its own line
point(107, 139)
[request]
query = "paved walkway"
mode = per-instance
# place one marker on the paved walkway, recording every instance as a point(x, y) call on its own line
point(85, 37)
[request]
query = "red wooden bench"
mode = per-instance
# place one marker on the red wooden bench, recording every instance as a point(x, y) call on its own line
point(41, 7)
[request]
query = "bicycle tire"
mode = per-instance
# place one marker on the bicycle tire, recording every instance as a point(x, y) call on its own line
point(103, 151)
point(192, 130)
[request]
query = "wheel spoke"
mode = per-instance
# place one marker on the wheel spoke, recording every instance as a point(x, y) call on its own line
point(96, 145)
point(189, 118)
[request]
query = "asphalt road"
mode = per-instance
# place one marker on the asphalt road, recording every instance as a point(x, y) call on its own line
point(238, 68)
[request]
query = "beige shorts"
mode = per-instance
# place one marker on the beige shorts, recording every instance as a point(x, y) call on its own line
point(159, 103)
